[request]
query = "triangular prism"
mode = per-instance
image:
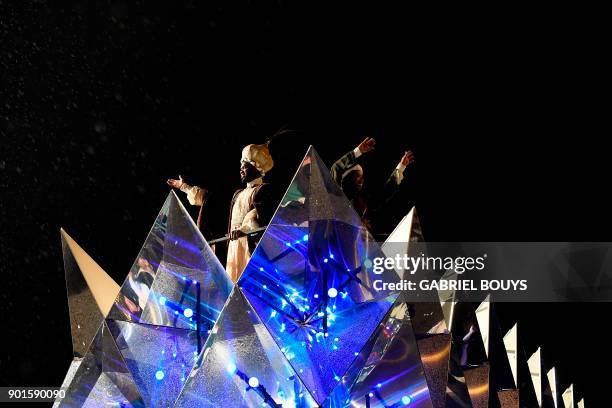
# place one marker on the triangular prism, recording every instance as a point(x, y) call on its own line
point(241, 366)
point(91, 293)
point(311, 279)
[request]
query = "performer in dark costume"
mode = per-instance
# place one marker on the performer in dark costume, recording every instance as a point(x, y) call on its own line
point(347, 172)
point(251, 207)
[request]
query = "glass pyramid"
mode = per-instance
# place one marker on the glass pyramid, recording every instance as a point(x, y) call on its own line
point(310, 279)
point(387, 372)
point(165, 309)
point(241, 366)
point(174, 268)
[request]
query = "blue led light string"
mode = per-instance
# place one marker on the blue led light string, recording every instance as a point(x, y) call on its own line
point(253, 384)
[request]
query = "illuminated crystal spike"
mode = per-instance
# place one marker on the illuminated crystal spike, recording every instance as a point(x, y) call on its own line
point(158, 357)
point(311, 281)
point(387, 372)
point(407, 230)
point(174, 268)
point(90, 291)
point(241, 366)
point(102, 378)
point(511, 345)
point(429, 316)
point(535, 369)
point(568, 397)
point(551, 375)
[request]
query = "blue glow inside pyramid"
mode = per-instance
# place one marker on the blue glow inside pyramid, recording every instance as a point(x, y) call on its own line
point(388, 371)
point(176, 279)
point(310, 279)
point(241, 366)
point(160, 320)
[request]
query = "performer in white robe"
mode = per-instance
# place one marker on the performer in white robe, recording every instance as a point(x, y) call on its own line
point(251, 207)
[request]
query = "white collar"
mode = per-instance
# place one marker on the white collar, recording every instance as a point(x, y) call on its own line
point(255, 182)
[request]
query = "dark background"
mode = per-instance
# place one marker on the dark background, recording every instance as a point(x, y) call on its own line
point(101, 101)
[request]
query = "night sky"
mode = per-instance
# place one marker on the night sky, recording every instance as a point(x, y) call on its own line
point(101, 101)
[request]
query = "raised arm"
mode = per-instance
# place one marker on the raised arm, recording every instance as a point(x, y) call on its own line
point(349, 160)
point(195, 195)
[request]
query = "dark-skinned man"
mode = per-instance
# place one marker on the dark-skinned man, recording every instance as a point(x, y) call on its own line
point(347, 172)
point(251, 207)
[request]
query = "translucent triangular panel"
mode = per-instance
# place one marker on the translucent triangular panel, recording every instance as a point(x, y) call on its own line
point(90, 291)
point(581, 403)
point(535, 369)
point(483, 316)
point(428, 316)
point(159, 358)
point(174, 269)
point(387, 372)
point(398, 242)
point(311, 280)
point(568, 397)
point(241, 366)
point(102, 378)
point(552, 382)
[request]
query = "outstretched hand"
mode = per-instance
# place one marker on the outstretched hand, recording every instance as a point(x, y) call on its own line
point(407, 158)
point(175, 183)
point(367, 145)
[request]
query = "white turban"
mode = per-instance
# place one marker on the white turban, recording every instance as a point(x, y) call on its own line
point(259, 156)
